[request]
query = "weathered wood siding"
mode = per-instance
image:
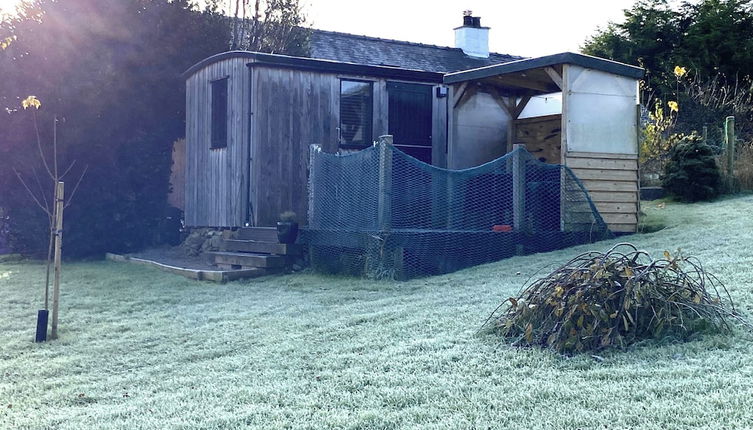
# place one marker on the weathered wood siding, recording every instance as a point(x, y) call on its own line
point(612, 182)
point(293, 109)
point(216, 179)
point(275, 114)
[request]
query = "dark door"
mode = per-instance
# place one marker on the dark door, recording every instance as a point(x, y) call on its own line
point(410, 118)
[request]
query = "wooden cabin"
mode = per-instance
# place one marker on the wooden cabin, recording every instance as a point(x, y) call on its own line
point(252, 119)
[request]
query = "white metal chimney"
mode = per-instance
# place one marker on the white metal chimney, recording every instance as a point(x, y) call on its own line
point(472, 38)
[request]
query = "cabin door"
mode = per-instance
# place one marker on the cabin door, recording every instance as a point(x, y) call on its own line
point(409, 119)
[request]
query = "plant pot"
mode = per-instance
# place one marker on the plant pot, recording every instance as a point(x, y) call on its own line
point(287, 232)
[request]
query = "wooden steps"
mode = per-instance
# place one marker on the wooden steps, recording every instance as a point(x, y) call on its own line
point(236, 245)
point(248, 260)
point(256, 248)
point(259, 234)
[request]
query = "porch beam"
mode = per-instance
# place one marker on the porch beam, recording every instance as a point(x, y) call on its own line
point(458, 93)
point(556, 77)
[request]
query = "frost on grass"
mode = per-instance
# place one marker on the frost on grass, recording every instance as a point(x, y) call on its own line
point(614, 299)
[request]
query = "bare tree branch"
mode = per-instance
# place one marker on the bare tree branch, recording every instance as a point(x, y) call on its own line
point(39, 146)
point(41, 191)
point(68, 169)
point(31, 193)
point(75, 187)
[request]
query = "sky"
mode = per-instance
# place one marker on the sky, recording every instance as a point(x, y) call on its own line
point(519, 27)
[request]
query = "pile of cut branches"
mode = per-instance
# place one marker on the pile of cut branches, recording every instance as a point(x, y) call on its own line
point(613, 299)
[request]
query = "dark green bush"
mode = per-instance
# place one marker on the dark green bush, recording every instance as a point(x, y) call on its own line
point(691, 174)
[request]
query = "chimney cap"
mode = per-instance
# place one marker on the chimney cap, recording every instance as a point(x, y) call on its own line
point(471, 21)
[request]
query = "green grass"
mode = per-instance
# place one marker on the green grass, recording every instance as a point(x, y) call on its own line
point(143, 349)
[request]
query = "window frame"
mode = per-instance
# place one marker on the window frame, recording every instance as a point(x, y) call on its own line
point(368, 140)
point(218, 138)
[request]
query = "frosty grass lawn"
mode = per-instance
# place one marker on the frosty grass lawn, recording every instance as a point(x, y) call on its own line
point(145, 349)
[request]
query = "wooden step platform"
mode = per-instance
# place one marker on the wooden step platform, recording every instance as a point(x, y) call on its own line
point(239, 245)
point(259, 234)
point(220, 276)
point(246, 260)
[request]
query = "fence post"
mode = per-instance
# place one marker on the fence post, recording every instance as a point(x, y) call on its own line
point(313, 150)
point(384, 219)
point(518, 186)
point(729, 137)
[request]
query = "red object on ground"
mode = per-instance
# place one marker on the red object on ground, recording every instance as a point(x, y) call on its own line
point(503, 227)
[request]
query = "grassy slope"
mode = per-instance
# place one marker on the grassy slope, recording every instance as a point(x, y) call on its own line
point(143, 349)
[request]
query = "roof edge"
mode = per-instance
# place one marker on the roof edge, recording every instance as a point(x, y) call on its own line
point(583, 60)
point(214, 59)
point(316, 64)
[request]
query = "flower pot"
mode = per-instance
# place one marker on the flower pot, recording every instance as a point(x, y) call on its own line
point(287, 232)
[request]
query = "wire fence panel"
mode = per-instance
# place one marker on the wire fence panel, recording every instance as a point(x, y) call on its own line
point(381, 213)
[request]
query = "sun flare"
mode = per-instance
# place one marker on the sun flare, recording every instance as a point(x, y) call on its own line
point(8, 6)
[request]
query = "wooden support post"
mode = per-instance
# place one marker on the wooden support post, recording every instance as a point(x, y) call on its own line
point(385, 183)
point(518, 186)
point(59, 199)
point(729, 137)
point(519, 192)
point(313, 151)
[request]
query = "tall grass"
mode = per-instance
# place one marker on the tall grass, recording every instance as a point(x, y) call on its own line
point(744, 167)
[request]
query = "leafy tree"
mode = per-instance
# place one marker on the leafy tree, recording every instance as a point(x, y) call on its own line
point(110, 69)
point(709, 37)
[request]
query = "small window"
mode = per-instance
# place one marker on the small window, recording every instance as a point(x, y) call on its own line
point(356, 106)
point(219, 113)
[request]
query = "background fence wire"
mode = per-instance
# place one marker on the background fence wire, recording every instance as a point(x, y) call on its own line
point(384, 214)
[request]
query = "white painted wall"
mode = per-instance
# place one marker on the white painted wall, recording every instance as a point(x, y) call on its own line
point(601, 112)
point(474, 41)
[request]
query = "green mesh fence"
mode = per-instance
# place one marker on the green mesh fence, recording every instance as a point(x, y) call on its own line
point(384, 214)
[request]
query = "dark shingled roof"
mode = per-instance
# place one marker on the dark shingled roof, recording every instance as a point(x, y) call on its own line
point(351, 48)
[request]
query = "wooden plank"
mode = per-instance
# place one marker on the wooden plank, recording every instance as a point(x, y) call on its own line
point(262, 234)
point(458, 93)
point(519, 106)
point(610, 185)
point(620, 218)
point(606, 175)
point(518, 186)
point(565, 88)
point(623, 228)
point(616, 207)
point(249, 260)
point(556, 77)
point(384, 205)
point(616, 197)
point(262, 247)
point(602, 155)
point(602, 163)
point(200, 275)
